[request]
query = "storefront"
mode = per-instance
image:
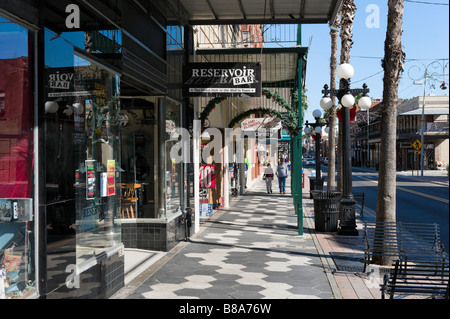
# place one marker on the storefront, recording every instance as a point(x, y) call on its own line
point(152, 183)
point(80, 157)
point(85, 140)
point(17, 162)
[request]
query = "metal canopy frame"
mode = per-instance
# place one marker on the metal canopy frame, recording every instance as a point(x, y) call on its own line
point(279, 65)
point(213, 12)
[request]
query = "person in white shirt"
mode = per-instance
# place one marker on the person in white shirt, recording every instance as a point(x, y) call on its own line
point(282, 173)
point(268, 177)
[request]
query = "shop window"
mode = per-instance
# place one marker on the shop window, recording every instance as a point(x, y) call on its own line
point(17, 251)
point(82, 162)
point(140, 158)
point(173, 171)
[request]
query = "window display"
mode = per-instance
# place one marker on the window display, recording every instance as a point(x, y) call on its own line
point(82, 158)
point(17, 268)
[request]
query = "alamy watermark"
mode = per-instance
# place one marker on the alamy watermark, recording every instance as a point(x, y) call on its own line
point(73, 280)
point(374, 278)
point(73, 20)
point(373, 19)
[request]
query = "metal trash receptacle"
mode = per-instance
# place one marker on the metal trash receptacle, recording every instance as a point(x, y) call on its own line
point(326, 210)
point(313, 185)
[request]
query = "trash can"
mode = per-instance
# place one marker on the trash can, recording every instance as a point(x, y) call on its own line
point(313, 186)
point(326, 210)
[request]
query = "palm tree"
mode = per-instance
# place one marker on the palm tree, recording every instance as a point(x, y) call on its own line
point(331, 183)
point(393, 68)
point(348, 10)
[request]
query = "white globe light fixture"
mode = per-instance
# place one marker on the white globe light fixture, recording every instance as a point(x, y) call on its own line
point(51, 107)
point(365, 103)
point(345, 71)
point(318, 130)
point(327, 130)
point(317, 113)
point(307, 131)
point(348, 100)
point(326, 103)
point(78, 108)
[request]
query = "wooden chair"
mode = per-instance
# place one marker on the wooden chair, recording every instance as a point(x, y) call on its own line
point(129, 199)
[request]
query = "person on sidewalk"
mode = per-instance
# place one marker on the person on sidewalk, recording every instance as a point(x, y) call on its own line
point(268, 177)
point(282, 173)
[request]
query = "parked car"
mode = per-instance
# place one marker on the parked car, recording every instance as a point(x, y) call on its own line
point(309, 162)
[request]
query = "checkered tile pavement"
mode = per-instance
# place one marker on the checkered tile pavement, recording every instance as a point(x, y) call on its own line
point(249, 251)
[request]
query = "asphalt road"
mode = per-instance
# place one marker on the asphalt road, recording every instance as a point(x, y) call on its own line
point(418, 201)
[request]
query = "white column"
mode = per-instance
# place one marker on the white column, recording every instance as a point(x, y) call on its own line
point(196, 160)
point(226, 177)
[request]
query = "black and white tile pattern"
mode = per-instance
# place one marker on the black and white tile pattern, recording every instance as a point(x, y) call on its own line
point(251, 251)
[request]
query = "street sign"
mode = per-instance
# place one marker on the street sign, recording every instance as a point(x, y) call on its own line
point(417, 152)
point(417, 145)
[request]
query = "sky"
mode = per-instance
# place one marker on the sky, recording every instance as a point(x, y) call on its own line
point(425, 39)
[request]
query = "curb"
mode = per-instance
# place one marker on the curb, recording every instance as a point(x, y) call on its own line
point(323, 257)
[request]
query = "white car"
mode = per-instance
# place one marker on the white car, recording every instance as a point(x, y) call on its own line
point(309, 162)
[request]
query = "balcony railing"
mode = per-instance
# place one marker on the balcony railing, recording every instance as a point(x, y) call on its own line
point(242, 36)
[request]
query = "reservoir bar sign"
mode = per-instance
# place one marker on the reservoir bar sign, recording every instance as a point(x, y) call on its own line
point(222, 79)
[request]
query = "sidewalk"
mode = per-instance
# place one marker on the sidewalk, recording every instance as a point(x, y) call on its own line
point(341, 256)
point(251, 250)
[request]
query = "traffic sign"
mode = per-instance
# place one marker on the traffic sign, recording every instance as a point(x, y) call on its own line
point(417, 152)
point(417, 145)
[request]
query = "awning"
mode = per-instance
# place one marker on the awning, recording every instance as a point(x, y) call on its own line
point(426, 112)
point(209, 12)
point(279, 65)
point(279, 70)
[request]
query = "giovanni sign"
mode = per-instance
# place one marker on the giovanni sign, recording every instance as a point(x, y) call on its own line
point(222, 79)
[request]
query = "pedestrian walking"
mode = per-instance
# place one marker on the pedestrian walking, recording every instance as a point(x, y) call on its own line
point(268, 177)
point(282, 173)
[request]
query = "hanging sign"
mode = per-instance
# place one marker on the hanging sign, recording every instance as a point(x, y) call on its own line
point(222, 79)
point(207, 176)
point(268, 123)
point(437, 127)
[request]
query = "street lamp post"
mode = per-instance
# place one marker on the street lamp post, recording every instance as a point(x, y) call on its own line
point(346, 98)
point(417, 80)
point(318, 131)
point(364, 104)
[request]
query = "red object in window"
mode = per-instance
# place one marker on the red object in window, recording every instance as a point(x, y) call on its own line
point(16, 151)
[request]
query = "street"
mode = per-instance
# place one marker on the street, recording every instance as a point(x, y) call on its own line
point(419, 199)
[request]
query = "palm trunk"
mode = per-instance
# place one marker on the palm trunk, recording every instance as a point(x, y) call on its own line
point(331, 183)
point(393, 69)
point(348, 10)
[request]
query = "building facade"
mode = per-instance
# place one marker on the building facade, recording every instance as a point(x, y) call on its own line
point(90, 103)
point(366, 138)
point(84, 133)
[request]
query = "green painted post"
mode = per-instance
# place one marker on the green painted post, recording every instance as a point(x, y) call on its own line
point(298, 139)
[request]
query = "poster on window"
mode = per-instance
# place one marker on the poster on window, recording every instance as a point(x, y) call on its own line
point(16, 209)
point(111, 178)
point(90, 180)
point(207, 176)
point(206, 210)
